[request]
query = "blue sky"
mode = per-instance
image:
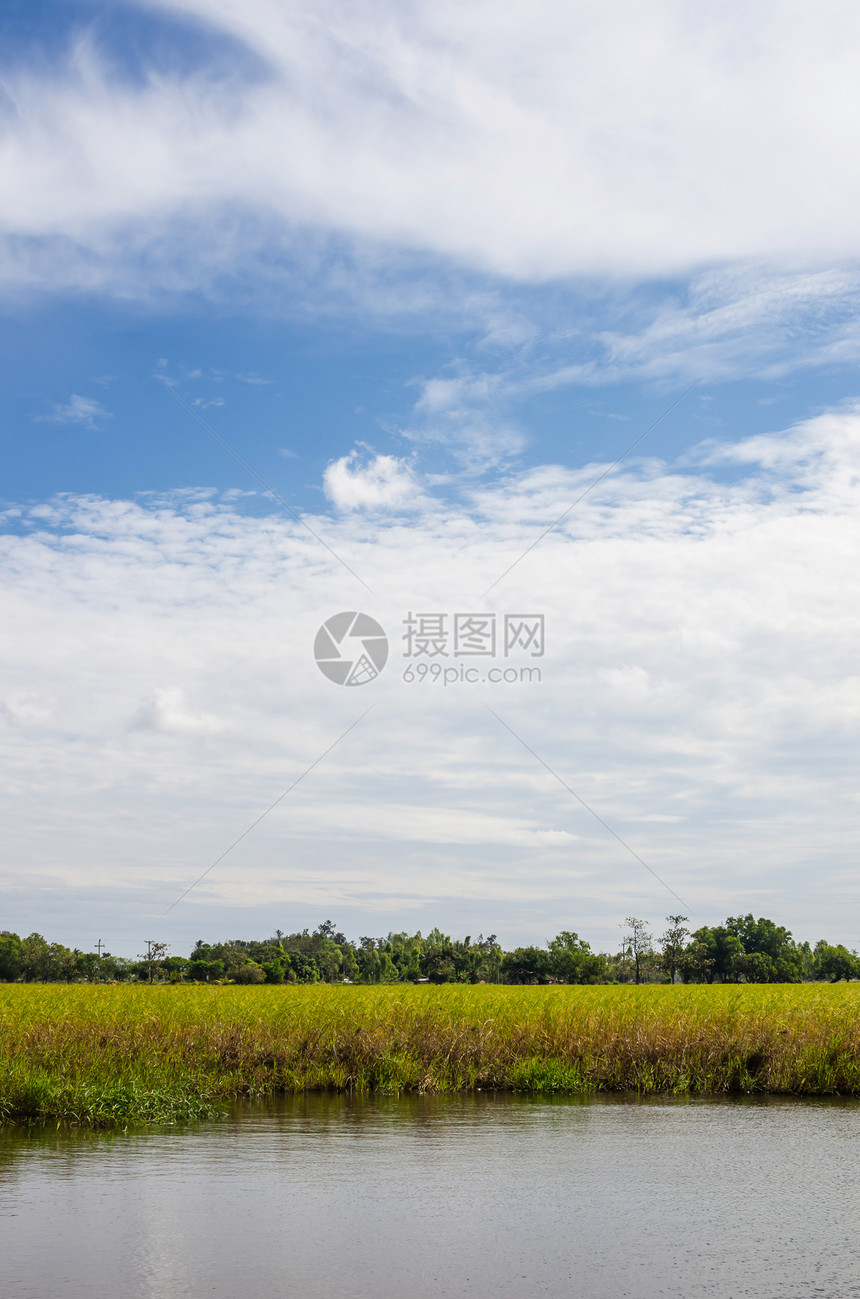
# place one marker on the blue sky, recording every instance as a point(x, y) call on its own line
point(429, 272)
point(86, 409)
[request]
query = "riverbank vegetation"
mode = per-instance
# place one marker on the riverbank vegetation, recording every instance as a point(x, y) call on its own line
point(113, 1055)
point(742, 950)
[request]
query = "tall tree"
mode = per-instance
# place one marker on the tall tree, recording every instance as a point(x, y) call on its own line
point(672, 943)
point(638, 940)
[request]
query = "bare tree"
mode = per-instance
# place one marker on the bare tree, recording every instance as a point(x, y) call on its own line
point(672, 943)
point(638, 940)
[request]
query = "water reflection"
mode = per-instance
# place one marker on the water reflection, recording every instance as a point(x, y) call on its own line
point(433, 1197)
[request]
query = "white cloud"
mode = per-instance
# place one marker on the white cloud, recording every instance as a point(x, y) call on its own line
point(551, 139)
point(752, 320)
point(451, 395)
point(362, 480)
point(700, 691)
point(85, 411)
point(466, 416)
point(168, 712)
point(747, 322)
point(477, 440)
point(26, 708)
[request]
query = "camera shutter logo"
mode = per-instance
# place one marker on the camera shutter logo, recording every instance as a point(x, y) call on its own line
point(351, 649)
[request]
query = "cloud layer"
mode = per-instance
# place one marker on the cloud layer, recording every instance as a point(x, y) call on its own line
point(568, 196)
point(700, 691)
point(544, 140)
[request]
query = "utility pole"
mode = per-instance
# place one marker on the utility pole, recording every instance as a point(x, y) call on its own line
point(154, 952)
point(99, 946)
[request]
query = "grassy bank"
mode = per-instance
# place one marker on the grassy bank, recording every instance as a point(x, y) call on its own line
point(106, 1055)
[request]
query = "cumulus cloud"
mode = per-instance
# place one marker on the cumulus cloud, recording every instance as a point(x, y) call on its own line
point(549, 140)
point(699, 690)
point(362, 480)
point(85, 411)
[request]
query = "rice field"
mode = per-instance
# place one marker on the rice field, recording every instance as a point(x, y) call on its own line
point(115, 1055)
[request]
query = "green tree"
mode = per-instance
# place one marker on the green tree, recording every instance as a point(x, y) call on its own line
point(276, 971)
point(205, 971)
point(303, 968)
point(249, 972)
point(835, 963)
point(86, 966)
point(527, 965)
point(638, 941)
point(571, 960)
point(44, 962)
point(806, 959)
point(349, 963)
point(174, 967)
point(438, 965)
point(672, 945)
point(777, 959)
point(714, 955)
point(697, 963)
point(11, 959)
point(488, 960)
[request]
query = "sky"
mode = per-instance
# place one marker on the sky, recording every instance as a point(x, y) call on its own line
point(531, 333)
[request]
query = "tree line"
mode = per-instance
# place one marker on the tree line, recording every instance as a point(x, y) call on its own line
point(742, 950)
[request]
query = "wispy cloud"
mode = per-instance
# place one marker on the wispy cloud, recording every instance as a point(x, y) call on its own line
point(748, 322)
point(753, 320)
point(85, 411)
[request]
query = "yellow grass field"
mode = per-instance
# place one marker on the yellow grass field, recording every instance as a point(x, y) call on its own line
point(104, 1055)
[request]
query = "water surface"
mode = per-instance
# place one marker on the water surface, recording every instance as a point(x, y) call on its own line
point(428, 1197)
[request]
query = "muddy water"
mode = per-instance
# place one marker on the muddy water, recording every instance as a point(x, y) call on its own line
point(426, 1198)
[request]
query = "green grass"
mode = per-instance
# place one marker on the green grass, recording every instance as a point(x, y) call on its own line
point(113, 1055)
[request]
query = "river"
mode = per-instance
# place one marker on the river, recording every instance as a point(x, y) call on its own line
point(429, 1197)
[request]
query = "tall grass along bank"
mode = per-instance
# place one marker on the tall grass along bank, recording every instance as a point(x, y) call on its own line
point(106, 1055)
